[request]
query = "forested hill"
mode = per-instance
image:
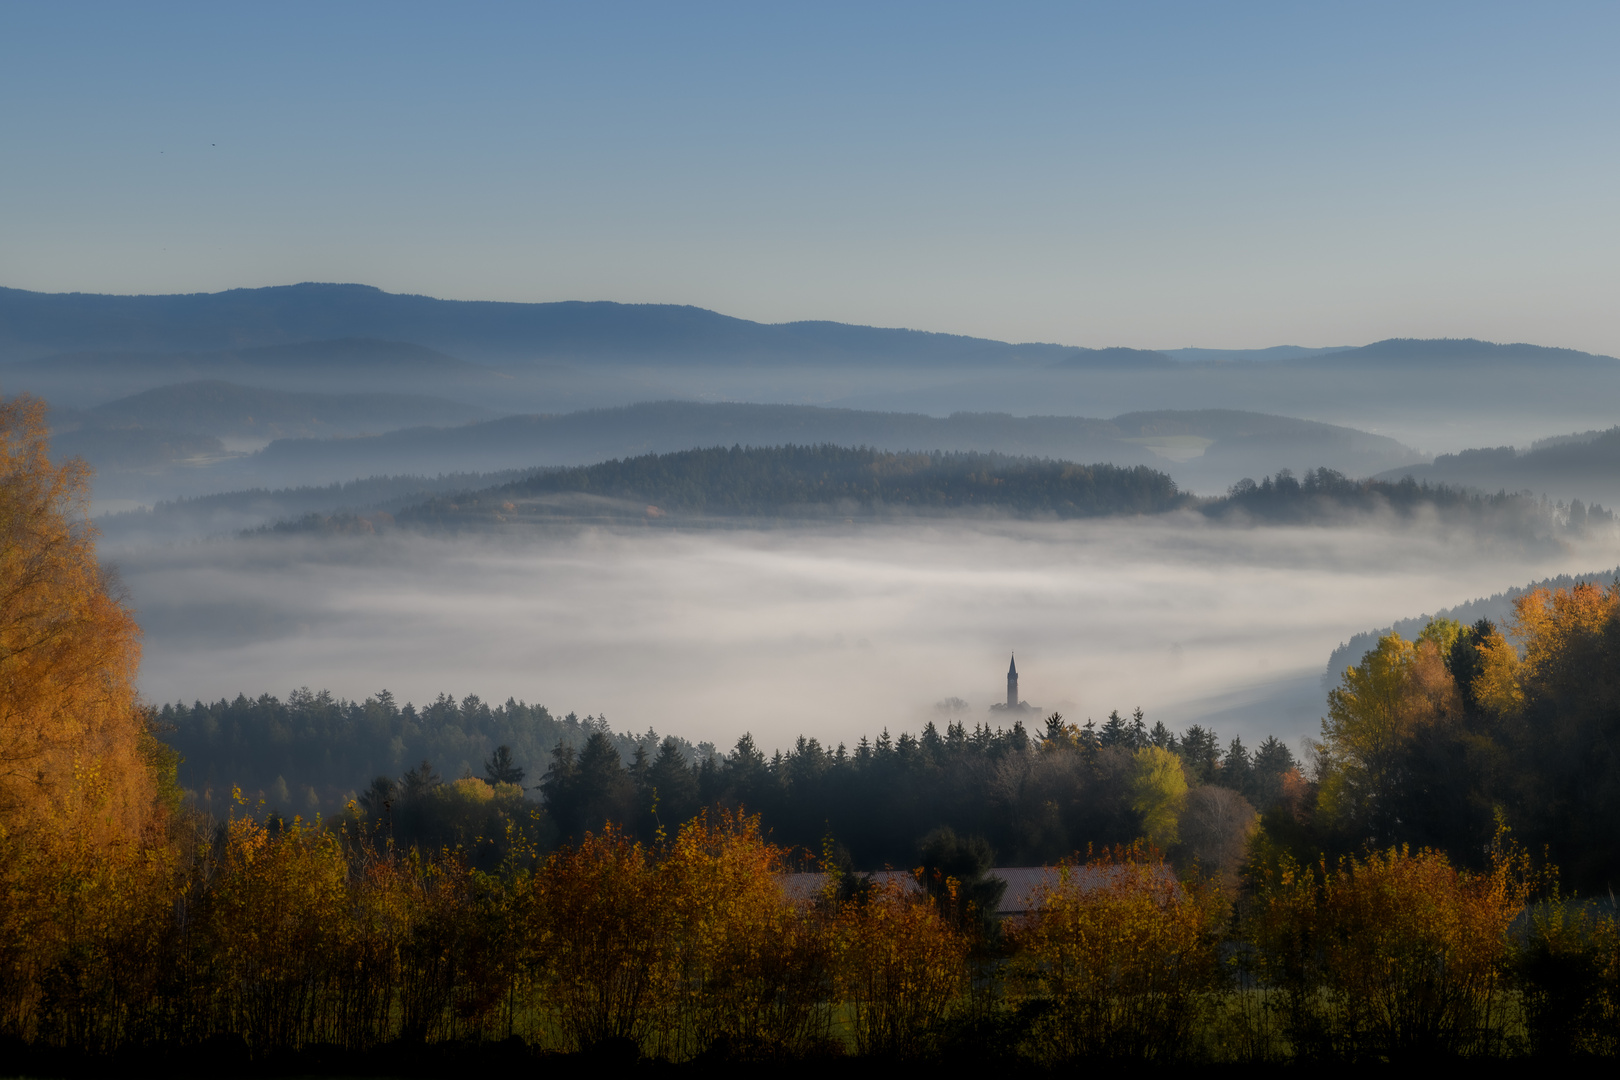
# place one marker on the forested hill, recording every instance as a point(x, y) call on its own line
point(1323, 494)
point(807, 481)
point(1582, 465)
point(313, 752)
point(1324, 497)
point(1497, 608)
point(1211, 447)
point(1036, 794)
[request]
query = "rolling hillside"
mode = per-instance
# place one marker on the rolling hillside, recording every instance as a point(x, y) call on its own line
point(215, 407)
point(804, 482)
point(1211, 448)
point(1584, 466)
point(86, 379)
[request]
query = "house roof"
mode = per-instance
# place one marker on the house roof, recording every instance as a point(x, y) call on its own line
point(1027, 886)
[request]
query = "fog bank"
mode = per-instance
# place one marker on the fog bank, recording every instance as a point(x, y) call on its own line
point(832, 633)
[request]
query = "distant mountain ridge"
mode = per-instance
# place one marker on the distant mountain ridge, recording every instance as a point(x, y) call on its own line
point(34, 325)
point(80, 351)
point(1447, 352)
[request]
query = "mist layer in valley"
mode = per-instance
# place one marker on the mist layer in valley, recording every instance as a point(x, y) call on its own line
point(833, 632)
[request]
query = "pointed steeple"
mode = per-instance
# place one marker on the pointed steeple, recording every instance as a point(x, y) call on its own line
point(1012, 668)
point(1012, 684)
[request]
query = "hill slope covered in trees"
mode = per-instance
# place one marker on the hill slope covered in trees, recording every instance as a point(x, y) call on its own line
point(831, 482)
point(1206, 449)
point(807, 482)
point(1570, 467)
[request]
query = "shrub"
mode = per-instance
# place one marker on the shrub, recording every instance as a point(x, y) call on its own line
point(1118, 959)
point(1569, 969)
point(603, 938)
point(901, 966)
point(1395, 954)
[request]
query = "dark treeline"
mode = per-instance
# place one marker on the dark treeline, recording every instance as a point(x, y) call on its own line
point(1323, 494)
point(1033, 797)
point(821, 480)
point(313, 752)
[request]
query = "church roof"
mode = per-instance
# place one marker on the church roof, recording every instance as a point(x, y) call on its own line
point(1012, 668)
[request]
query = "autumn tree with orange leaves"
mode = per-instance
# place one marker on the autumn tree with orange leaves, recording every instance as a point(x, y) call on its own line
point(86, 878)
point(71, 747)
point(1558, 712)
point(1430, 742)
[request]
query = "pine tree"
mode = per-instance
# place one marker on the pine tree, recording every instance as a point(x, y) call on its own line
point(1090, 743)
point(1115, 732)
point(1200, 753)
point(1139, 735)
point(501, 769)
point(1272, 757)
point(1236, 771)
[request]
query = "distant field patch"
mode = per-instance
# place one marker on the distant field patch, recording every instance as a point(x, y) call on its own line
point(1177, 448)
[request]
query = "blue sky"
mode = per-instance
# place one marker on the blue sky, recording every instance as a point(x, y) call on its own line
point(1159, 175)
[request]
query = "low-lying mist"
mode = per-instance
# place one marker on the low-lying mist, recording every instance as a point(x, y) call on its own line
point(833, 632)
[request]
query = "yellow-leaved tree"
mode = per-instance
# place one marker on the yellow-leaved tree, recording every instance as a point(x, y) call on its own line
point(1380, 705)
point(73, 754)
point(1158, 787)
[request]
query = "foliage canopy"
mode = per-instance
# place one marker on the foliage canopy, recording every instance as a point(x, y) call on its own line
point(73, 746)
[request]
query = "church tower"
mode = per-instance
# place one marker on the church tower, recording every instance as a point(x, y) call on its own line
point(1012, 684)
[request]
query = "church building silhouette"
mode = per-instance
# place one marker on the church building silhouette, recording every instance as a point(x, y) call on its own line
point(1012, 704)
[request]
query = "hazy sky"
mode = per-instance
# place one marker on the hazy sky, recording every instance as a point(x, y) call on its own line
point(1160, 175)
